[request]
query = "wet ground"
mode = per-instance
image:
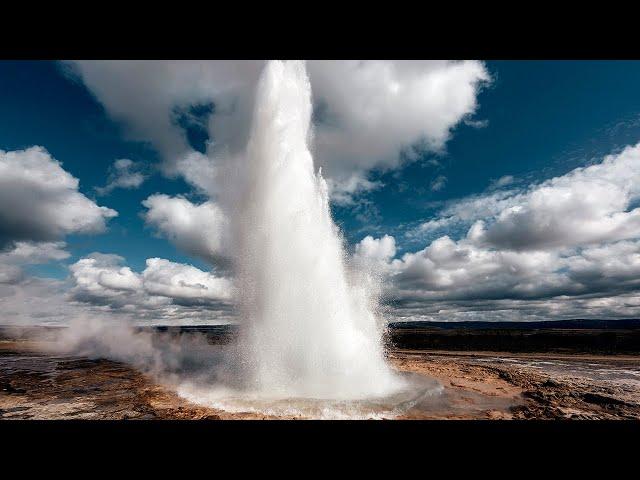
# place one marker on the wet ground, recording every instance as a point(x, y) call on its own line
point(450, 385)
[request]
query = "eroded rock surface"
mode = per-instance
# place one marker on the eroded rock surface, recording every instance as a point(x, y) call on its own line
point(549, 386)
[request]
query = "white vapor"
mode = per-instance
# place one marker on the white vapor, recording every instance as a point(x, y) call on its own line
point(308, 331)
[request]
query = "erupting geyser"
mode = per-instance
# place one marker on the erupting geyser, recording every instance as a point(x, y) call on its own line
point(308, 332)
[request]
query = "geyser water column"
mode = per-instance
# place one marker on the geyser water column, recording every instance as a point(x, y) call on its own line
point(307, 332)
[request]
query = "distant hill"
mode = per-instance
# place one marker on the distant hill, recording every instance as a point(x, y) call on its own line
point(624, 324)
point(566, 336)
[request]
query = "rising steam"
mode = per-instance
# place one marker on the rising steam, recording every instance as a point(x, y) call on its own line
point(309, 330)
point(306, 330)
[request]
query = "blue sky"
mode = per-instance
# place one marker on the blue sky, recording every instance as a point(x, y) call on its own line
point(41, 106)
point(532, 121)
point(543, 118)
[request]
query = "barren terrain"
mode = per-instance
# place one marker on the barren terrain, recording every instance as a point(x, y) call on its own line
point(35, 384)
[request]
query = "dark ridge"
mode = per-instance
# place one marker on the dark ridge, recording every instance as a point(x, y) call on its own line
point(627, 324)
point(209, 329)
point(607, 337)
point(560, 336)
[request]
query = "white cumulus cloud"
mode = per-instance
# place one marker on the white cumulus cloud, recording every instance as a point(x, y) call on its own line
point(103, 279)
point(370, 111)
point(366, 112)
point(40, 201)
point(124, 173)
point(565, 247)
point(587, 205)
point(28, 253)
point(196, 229)
point(183, 282)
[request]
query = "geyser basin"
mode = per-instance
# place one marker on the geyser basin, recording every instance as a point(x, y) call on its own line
point(419, 392)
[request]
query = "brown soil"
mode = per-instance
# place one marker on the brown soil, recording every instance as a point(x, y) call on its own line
point(39, 385)
point(543, 394)
point(42, 386)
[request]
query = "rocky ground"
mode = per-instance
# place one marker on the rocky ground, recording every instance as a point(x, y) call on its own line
point(38, 385)
point(537, 392)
